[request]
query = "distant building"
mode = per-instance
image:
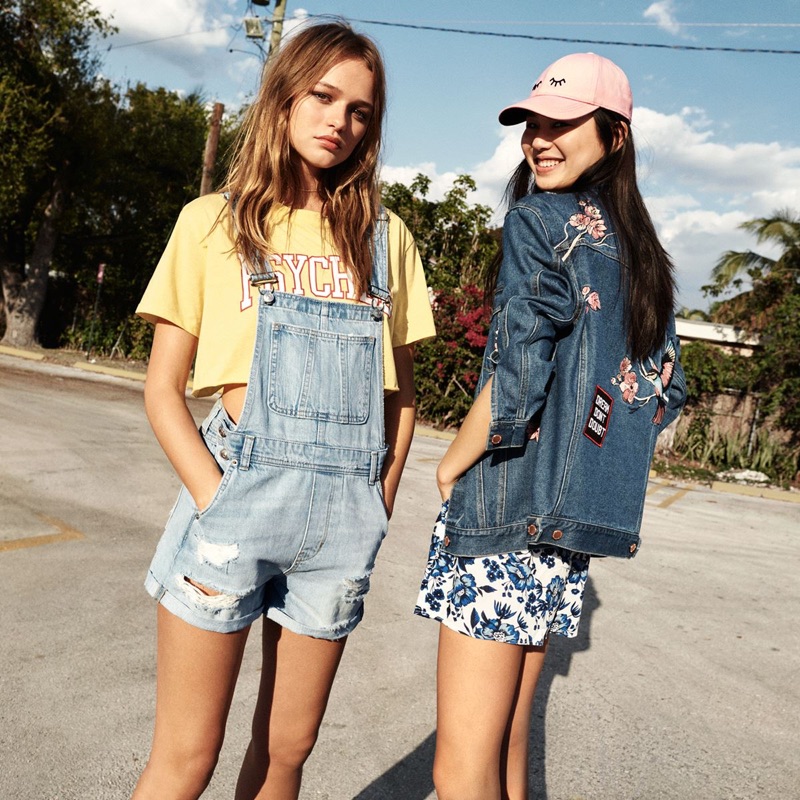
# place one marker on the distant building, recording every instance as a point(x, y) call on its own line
point(730, 338)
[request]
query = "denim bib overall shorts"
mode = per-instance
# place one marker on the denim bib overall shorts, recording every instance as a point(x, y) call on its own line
point(295, 525)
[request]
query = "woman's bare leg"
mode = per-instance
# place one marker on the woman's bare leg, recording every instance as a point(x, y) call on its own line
point(477, 686)
point(514, 754)
point(197, 673)
point(296, 679)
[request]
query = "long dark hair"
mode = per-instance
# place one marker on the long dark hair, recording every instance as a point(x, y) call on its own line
point(647, 269)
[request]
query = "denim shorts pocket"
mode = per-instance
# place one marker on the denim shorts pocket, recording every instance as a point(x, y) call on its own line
point(384, 507)
point(216, 443)
point(320, 375)
point(225, 480)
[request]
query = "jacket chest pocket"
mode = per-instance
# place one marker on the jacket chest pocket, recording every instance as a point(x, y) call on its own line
point(320, 375)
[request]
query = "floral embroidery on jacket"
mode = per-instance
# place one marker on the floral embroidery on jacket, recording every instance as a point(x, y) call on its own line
point(659, 376)
point(588, 222)
point(626, 380)
point(592, 299)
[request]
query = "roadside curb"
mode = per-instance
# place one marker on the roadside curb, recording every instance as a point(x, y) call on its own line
point(423, 430)
point(766, 492)
point(117, 373)
point(13, 351)
point(434, 433)
point(755, 491)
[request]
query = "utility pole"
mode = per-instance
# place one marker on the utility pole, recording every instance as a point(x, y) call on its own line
point(210, 155)
point(277, 27)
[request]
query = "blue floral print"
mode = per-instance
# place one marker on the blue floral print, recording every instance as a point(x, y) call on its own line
point(518, 597)
point(463, 592)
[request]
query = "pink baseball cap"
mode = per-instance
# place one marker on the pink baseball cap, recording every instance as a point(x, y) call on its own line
point(573, 86)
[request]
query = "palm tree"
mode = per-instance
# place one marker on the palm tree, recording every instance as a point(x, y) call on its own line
point(782, 228)
point(772, 278)
point(770, 308)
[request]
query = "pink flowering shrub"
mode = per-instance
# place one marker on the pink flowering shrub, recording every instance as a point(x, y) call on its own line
point(447, 368)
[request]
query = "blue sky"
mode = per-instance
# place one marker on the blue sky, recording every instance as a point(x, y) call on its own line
point(718, 133)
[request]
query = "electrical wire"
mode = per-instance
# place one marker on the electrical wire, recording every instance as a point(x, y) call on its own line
point(617, 24)
point(164, 38)
point(773, 51)
point(570, 39)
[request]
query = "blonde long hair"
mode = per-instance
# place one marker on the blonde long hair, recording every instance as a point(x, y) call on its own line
point(263, 173)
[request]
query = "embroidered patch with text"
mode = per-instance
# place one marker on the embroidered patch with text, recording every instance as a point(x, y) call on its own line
point(597, 425)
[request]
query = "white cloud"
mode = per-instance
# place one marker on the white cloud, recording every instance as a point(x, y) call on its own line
point(686, 149)
point(191, 35)
point(663, 12)
point(491, 176)
point(207, 21)
point(699, 190)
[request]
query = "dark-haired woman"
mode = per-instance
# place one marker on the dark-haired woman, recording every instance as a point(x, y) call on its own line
point(550, 466)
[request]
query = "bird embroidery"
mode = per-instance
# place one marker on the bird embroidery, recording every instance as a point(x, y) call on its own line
point(660, 378)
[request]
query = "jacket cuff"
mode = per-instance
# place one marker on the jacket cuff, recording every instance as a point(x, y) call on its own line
point(507, 434)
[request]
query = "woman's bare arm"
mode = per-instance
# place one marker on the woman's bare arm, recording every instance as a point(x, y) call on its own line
point(165, 404)
point(400, 412)
point(469, 444)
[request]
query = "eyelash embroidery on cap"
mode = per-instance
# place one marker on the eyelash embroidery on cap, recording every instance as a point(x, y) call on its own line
point(557, 81)
point(536, 86)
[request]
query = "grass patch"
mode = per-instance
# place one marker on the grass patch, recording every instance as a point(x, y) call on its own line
point(683, 471)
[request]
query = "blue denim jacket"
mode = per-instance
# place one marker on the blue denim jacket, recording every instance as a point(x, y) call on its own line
point(574, 422)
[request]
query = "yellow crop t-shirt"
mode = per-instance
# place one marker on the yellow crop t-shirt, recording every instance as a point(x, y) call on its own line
point(201, 286)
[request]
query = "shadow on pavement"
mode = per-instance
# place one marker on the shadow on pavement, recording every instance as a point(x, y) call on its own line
point(409, 779)
point(558, 662)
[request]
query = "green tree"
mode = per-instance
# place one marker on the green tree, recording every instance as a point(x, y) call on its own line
point(148, 168)
point(456, 246)
point(770, 309)
point(729, 273)
point(454, 239)
point(48, 93)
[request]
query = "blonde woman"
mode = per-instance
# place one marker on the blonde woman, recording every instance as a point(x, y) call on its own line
point(300, 299)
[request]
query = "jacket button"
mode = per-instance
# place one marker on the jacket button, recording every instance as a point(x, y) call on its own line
point(531, 530)
point(632, 548)
point(557, 535)
point(223, 454)
point(447, 541)
point(222, 432)
point(497, 438)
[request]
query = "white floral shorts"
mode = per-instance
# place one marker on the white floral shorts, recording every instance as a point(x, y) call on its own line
point(518, 597)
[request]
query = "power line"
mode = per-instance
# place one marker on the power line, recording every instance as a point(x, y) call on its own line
point(164, 38)
point(237, 28)
point(613, 24)
point(571, 40)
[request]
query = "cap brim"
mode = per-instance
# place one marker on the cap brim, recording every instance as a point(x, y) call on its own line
point(546, 105)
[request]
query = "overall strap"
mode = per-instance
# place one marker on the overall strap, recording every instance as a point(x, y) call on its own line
point(379, 280)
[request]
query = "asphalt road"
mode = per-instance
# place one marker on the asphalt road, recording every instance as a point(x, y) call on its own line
point(684, 682)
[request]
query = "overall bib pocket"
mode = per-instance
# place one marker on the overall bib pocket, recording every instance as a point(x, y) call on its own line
point(320, 375)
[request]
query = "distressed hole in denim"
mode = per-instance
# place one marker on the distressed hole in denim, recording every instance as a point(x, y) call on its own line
point(217, 555)
point(356, 588)
point(206, 597)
